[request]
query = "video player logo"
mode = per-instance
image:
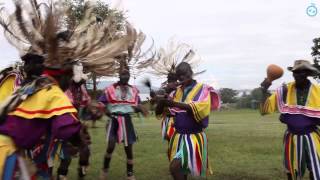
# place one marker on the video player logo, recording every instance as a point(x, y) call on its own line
point(312, 10)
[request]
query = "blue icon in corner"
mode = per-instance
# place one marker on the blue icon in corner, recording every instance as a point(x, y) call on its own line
point(312, 10)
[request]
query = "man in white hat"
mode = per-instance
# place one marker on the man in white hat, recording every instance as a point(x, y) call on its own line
point(299, 105)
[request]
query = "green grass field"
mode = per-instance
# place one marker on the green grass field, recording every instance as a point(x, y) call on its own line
point(242, 145)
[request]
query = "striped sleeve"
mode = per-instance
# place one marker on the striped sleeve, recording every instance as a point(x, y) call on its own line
point(201, 108)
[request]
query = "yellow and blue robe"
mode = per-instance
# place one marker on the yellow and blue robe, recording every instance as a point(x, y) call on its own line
point(302, 137)
point(189, 142)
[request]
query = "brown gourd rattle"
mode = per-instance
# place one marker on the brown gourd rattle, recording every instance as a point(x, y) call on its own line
point(274, 72)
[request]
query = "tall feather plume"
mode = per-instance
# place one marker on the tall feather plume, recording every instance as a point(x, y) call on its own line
point(24, 21)
point(37, 28)
point(36, 15)
point(20, 20)
point(9, 30)
point(50, 38)
point(137, 59)
point(22, 28)
point(95, 44)
point(168, 58)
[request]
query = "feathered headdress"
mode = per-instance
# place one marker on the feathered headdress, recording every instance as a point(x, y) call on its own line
point(135, 59)
point(43, 29)
point(168, 58)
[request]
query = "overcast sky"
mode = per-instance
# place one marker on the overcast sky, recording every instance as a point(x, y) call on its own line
point(236, 39)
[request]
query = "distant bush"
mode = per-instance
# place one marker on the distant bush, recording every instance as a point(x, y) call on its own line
point(250, 101)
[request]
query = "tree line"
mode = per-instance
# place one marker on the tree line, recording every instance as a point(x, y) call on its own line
point(233, 99)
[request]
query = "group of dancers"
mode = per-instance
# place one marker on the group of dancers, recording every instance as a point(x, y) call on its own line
point(43, 98)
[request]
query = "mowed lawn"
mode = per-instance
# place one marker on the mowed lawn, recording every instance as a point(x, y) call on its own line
point(242, 145)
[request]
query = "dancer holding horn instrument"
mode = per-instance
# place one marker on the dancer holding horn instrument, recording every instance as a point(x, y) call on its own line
point(190, 105)
point(165, 65)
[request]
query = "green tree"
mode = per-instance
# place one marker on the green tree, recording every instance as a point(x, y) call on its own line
point(244, 101)
point(102, 10)
point(250, 101)
point(228, 95)
point(256, 94)
point(256, 97)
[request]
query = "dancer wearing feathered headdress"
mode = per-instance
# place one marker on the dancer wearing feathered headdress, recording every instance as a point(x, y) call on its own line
point(190, 105)
point(122, 99)
point(165, 65)
point(41, 104)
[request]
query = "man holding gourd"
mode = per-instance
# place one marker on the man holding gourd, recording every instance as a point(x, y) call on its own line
point(299, 107)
